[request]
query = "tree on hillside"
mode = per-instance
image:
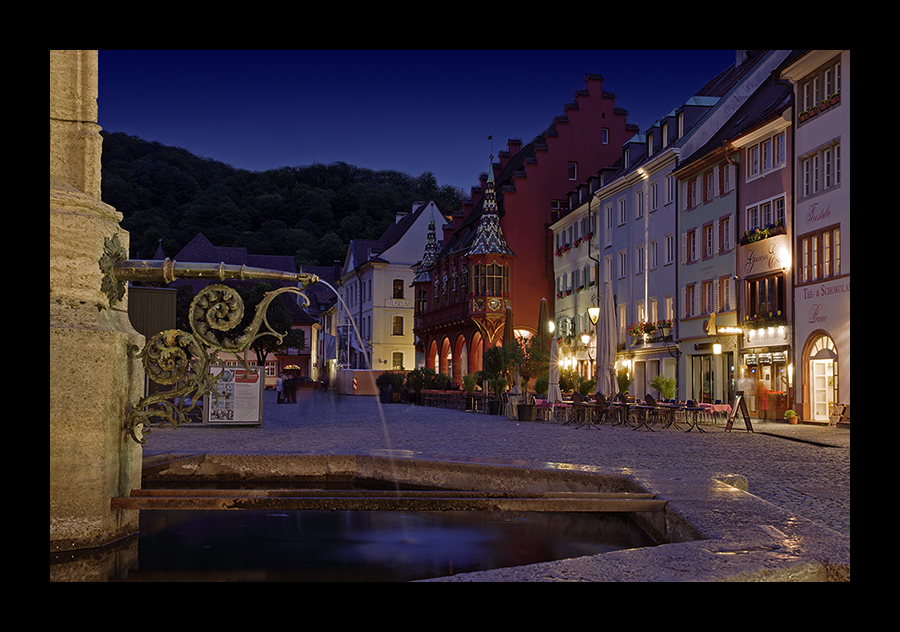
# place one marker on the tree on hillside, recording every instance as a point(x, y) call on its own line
point(167, 195)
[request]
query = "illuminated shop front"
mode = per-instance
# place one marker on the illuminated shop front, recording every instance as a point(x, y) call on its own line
point(766, 373)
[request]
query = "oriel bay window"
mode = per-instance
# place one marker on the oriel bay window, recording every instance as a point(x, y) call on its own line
point(490, 279)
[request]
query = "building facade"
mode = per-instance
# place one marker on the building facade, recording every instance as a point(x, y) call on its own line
point(374, 319)
point(821, 239)
point(463, 292)
point(638, 244)
point(529, 188)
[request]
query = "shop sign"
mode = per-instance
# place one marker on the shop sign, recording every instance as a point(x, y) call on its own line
point(768, 255)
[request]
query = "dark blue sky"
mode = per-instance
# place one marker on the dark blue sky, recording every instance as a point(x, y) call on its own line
point(411, 111)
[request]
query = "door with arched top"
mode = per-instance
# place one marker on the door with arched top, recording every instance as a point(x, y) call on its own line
point(822, 379)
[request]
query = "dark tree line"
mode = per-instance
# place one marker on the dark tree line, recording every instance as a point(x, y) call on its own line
point(167, 195)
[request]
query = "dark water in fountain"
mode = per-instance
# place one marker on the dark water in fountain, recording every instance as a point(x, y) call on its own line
point(251, 545)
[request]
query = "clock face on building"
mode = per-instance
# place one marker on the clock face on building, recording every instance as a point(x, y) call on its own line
point(494, 304)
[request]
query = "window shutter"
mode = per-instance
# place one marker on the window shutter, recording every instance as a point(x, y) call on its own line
point(683, 248)
point(716, 244)
point(715, 305)
point(731, 289)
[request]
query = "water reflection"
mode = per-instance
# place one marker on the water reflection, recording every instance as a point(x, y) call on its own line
point(362, 545)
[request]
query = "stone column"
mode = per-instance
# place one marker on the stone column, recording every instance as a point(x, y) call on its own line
point(92, 380)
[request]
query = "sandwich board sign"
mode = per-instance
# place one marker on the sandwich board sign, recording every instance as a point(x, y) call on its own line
point(739, 404)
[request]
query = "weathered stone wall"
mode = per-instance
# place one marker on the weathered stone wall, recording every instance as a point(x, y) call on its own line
point(92, 380)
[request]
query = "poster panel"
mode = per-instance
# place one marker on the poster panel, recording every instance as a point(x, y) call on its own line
point(238, 398)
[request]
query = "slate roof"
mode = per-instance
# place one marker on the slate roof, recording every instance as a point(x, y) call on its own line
point(488, 238)
point(707, 96)
point(768, 101)
point(463, 237)
point(201, 250)
point(423, 274)
point(364, 250)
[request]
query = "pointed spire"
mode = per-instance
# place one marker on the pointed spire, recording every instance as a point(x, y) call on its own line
point(424, 273)
point(488, 235)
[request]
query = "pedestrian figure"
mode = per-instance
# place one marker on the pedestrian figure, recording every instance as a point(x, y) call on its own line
point(279, 386)
point(290, 390)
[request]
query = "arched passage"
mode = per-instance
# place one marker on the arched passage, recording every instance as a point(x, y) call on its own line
point(476, 351)
point(460, 359)
point(431, 357)
point(446, 358)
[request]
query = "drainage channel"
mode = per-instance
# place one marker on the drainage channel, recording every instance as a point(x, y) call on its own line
point(387, 500)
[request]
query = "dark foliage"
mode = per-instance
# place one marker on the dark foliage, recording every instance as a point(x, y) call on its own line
point(167, 195)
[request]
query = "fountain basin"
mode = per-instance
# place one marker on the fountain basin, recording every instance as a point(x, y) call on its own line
point(711, 529)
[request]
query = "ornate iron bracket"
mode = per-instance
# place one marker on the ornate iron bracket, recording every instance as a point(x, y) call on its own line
point(182, 358)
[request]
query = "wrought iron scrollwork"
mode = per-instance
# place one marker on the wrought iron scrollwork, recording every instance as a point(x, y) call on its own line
point(176, 357)
point(182, 358)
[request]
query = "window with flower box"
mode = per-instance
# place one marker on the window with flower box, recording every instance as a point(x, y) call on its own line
point(819, 91)
point(765, 297)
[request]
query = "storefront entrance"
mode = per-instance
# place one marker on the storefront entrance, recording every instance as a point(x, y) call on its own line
point(712, 378)
point(767, 379)
point(822, 378)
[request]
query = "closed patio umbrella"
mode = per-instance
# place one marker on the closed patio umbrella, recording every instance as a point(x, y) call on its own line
point(606, 344)
point(509, 335)
point(553, 392)
point(543, 328)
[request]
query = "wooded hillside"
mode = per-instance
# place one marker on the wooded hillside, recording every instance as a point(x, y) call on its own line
point(308, 212)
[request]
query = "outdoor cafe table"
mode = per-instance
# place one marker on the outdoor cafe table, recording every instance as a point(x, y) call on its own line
point(621, 409)
point(584, 413)
point(642, 413)
point(714, 409)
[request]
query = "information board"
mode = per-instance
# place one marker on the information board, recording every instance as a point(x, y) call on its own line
point(739, 404)
point(238, 398)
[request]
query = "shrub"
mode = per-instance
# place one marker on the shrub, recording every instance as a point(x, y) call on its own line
point(665, 386)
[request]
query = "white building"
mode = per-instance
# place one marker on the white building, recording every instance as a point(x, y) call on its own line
point(375, 317)
point(821, 356)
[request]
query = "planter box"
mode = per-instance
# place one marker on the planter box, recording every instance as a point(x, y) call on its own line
point(526, 412)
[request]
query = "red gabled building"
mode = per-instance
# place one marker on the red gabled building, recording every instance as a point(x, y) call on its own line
point(497, 250)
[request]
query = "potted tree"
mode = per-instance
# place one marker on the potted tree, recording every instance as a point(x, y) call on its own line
point(624, 380)
point(791, 417)
point(419, 379)
point(497, 363)
point(389, 387)
point(470, 380)
point(665, 386)
point(531, 361)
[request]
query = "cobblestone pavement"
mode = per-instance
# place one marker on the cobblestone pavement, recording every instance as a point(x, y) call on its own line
point(804, 469)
